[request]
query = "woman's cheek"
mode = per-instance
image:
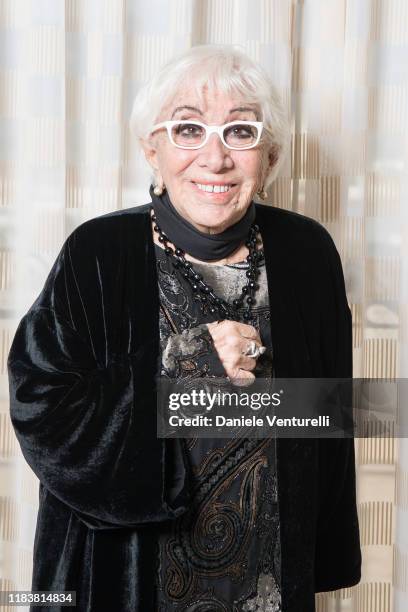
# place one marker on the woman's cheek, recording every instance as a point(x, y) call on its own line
point(245, 195)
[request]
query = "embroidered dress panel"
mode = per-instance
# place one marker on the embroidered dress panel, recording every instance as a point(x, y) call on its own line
point(223, 555)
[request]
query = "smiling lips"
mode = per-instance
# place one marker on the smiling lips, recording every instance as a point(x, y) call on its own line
point(209, 188)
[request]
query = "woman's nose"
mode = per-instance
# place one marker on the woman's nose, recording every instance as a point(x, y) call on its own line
point(214, 155)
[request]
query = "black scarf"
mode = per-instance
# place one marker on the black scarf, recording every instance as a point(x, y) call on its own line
point(207, 247)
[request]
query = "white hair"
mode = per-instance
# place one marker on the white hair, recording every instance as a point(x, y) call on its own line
point(223, 68)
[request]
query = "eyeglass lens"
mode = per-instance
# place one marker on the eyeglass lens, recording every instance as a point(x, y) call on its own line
point(237, 135)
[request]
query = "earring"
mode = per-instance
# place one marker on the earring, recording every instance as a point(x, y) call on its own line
point(158, 189)
point(263, 194)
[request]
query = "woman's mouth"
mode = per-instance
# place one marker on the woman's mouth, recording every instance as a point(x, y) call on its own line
point(214, 188)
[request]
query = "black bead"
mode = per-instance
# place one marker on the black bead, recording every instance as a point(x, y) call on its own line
point(156, 228)
point(237, 304)
point(197, 276)
point(247, 315)
point(185, 274)
point(161, 239)
point(256, 227)
point(168, 251)
point(179, 252)
point(250, 300)
point(212, 310)
point(252, 285)
point(245, 290)
point(194, 287)
point(250, 273)
point(153, 218)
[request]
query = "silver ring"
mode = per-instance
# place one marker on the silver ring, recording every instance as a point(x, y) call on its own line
point(251, 348)
point(254, 351)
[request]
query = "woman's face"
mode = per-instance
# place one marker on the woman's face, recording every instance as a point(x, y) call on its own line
point(181, 170)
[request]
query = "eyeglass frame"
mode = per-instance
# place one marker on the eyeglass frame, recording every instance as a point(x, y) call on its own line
point(209, 129)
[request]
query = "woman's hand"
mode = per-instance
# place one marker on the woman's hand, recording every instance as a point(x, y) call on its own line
point(232, 340)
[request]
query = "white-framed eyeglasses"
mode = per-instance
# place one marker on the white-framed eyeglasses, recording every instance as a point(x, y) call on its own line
point(189, 134)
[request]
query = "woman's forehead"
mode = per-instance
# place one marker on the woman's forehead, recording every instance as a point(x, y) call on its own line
point(190, 99)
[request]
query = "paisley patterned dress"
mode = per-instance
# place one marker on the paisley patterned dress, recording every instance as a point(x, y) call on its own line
point(223, 555)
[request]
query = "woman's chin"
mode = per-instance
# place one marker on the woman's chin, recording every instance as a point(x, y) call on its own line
point(213, 220)
point(214, 215)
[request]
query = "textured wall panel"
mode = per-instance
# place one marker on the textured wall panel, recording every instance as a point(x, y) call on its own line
point(68, 75)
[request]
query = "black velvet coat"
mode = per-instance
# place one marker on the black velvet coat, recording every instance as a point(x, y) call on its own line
point(82, 370)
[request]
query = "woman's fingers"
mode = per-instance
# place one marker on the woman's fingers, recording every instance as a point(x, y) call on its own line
point(241, 378)
point(234, 343)
point(240, 361)
point(247, 331)
point(233, 330)
point(242, 329)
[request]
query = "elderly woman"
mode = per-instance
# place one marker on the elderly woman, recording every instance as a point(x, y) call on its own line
point(202, 282)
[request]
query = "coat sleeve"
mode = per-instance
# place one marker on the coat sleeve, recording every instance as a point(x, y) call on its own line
point(338, 554)
point(81, 424)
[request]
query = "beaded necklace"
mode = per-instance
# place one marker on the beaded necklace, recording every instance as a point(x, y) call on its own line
point(204, 293)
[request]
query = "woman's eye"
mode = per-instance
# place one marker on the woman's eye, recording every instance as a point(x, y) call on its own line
point(240, 132)
point(189, 130)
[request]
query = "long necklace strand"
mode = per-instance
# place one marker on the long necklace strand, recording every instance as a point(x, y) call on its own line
point(204, 293)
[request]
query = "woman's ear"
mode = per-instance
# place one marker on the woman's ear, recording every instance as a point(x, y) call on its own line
point(150, 152)
point(273, 156)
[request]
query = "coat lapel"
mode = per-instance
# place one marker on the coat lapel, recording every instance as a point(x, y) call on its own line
point(291, 355)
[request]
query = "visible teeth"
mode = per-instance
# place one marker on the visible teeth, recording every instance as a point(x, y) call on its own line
point(215, 188)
